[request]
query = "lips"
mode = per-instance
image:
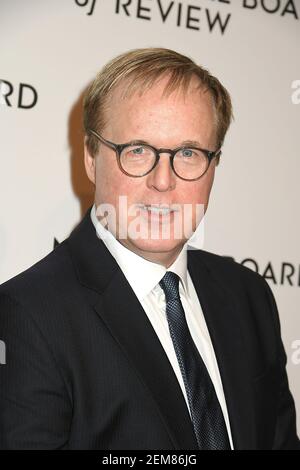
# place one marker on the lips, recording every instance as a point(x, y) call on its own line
point(161, 209)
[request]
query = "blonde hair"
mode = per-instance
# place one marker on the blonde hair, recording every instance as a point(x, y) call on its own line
point(141, 68)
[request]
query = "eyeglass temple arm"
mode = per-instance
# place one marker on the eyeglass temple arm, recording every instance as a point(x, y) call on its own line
point(104, 141)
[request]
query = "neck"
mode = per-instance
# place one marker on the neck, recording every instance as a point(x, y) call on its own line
point(164, 258)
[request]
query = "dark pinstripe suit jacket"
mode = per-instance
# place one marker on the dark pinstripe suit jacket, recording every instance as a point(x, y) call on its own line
point(85, 369)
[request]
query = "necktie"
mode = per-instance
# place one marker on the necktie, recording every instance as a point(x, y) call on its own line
point(207, 417)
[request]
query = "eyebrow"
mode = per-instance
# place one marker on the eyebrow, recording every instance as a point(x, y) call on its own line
point(185, 143)
point(190, 143)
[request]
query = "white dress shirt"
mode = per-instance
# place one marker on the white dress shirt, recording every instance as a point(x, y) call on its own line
point(152, 298)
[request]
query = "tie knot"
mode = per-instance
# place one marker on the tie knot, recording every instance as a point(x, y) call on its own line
point(170, 285)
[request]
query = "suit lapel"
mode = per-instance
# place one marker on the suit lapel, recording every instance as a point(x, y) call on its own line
point(118, 307)
point(128, 323)
point(222, 320)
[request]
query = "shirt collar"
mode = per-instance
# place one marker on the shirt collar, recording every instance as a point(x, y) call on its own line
point(142, 275)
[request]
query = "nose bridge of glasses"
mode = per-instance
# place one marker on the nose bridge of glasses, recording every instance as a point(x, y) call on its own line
point(170, 154)
point(162, 150)
point(164, 164)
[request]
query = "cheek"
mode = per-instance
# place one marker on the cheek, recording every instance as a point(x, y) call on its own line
point(205, 185)
point(112, 183)
point(196, 192)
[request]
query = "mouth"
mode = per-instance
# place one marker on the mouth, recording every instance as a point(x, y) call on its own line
point(158, 209)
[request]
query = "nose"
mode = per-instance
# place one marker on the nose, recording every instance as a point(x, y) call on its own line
point(162, 178)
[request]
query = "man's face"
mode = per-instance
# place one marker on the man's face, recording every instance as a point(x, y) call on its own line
point(164, 122)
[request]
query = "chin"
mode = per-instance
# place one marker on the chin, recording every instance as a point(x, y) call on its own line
point(141, 246)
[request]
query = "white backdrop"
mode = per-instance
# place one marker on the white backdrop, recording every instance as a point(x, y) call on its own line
point(49, 53)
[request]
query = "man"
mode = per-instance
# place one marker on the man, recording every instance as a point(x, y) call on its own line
point(122, 338)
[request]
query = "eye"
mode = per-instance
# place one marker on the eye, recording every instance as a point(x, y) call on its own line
point(138, 150)
point(187, 153)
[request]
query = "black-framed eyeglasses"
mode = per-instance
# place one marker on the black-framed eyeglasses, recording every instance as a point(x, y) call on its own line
point(138, 158)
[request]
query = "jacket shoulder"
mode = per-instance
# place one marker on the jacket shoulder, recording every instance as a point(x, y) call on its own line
point(226, 265)
point(231, 274)
point(42, 277)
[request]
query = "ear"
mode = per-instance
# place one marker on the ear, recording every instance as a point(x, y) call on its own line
point(89, 163)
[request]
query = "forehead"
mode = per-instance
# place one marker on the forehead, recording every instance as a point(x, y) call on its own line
point(131, 90)
point(158, 110)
